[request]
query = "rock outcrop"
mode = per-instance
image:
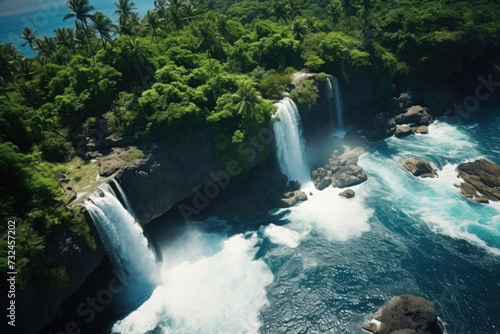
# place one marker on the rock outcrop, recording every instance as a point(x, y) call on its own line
point(404, 315)
point(419, 167)
point(341, 170)
point(481, 180)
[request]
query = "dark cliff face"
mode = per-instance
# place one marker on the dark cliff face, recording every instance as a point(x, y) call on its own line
point(37, 305)
point(172, 173)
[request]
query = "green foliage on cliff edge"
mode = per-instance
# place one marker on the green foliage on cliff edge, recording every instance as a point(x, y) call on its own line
point(183, 69)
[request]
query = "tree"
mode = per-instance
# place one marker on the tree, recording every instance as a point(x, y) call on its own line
point(153, 21)
point(124, 10)
point(299, 29)
point(29, 36)
point(26, 69)
point(174, 16)
point(189, 12)
point(161, 6)
point(4, 88)
point(349, 8)
point(246, 97)
point(8, 55)
point(65, 37)
point(294, 8)
point(370, 30)
point(81, 12)
point(104, 26)
point(279, 9)
point(135, 52)
point(46, 46)
point(334, 10)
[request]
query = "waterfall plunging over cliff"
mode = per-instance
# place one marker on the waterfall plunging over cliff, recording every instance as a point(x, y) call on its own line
point(290, 144)
point(335, 105)
point(121, 235)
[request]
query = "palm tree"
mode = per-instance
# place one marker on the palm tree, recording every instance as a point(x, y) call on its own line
point(279, 10)
point(124, 10)
point(161, 6)
point(29, 36)
point(246, 96)
point(299, 29)
point(66, 38)
point(223, 30)
point(174, 17)
point(135, 52)
point(189, 12)
point(81, 12)
point(153, 21)
point(349, 7)
point(294, 8)
point(8, 55)
point(334, 10)
point(370, 31)
point(26, 69)
point(207, 39)
point(46, 46)
point(311, 24)
point(104, 26)
point(4, 88)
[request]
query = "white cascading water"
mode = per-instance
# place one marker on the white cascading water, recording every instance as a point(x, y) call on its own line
point(121, 235)
point(290, 145)
point(335, 105)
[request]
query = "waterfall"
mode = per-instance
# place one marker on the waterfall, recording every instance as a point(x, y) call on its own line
point(121, 234)
point(335, 105)
point(289, 142)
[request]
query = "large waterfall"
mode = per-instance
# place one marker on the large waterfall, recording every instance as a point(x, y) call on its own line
point(335, 105)
point(289, 142)
point(121, 234)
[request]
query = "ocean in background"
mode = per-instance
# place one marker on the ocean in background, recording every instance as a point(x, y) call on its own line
point(46, 16)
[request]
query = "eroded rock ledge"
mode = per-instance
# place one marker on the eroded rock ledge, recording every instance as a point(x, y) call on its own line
point(406, 314)
point(481, 180)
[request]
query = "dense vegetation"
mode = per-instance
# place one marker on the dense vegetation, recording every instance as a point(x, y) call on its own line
point(197, 64)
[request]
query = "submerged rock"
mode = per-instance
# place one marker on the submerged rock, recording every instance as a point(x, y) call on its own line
point(349, 193)
point(405, 315)
point(481, 180)
point(419, 167)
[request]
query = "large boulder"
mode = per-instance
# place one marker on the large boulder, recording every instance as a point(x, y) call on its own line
point(419, 167)
point(406, 315)
point(341, 170)
point(414, 115)
point(382, 126)
point(481, 180)
point(349, 193)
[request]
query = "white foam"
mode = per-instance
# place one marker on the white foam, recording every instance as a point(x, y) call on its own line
point(337, 218)
point(282, 236)
point(221, 293)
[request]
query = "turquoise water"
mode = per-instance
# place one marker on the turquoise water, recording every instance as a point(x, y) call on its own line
point(46, 16)
point(328, 264)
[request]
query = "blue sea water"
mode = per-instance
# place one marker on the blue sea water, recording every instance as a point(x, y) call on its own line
point(46, 16)
point(328, 264)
